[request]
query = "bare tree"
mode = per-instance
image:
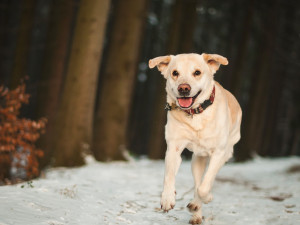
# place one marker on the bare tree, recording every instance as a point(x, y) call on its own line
point(118, 78)
point(23, 43)
point(51, 77)
point(73, 127)
point(253, 136)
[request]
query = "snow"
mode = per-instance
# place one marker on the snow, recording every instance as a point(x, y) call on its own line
point(257, 192)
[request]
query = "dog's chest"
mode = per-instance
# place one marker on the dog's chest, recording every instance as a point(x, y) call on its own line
point(200, 132)
point(201, 143)
point(203, 137)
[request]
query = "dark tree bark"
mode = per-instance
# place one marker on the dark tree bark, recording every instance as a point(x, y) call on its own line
point(280, 138)
point(112, 113)
point(241, 58)
point(253, 123)
point(182, 27)
point(260, 115)
point(10, 13)
point(54, 66)
point(142, 111)
point(73, 127)
point(23, 43)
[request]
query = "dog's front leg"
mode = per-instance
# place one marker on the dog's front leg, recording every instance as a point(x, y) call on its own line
point(172, 163)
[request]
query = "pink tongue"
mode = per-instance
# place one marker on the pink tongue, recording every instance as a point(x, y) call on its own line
point(185, 102)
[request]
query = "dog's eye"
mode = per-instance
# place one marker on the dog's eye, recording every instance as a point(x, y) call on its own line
point(175, 73)
point(197, 73)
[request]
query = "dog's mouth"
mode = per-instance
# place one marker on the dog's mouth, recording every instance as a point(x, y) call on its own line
point(187, 102)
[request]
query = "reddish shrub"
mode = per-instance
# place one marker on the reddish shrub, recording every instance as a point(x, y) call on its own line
point(18, 136)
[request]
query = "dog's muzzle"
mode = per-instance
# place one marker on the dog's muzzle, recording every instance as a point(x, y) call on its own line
point(187, 102)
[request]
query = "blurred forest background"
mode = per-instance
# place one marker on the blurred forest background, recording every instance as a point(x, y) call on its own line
point(86, 64)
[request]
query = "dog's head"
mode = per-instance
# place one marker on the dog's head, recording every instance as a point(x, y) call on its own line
point(189, 76)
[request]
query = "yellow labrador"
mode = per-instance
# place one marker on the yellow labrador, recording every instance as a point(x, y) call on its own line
point(202, 117)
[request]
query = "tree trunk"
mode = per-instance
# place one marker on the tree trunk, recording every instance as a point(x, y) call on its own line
point(54, 66)
point(157, 142)
point(112, 113)
point(233, 31)
point(22, 47)
point(182, 27)
point(10, 13)
point(145, 91)
point(254, 120)
point(241, 58)
point(73, 126)
point(260, 116)
point(276, 144)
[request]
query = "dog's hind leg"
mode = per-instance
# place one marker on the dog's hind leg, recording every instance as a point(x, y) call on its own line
point(217, 160)
point(198, 168)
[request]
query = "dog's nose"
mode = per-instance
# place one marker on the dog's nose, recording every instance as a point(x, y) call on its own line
point(184, 89)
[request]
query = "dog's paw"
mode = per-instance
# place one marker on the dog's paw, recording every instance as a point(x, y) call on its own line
point(167, 201)
point(196, 220)
point(194, 206)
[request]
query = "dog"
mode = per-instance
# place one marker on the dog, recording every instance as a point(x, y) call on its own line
point(203, 117)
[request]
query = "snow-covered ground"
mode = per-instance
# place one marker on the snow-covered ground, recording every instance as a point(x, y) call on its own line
point(256, 192)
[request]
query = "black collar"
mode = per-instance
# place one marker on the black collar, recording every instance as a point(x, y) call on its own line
point(197, 110)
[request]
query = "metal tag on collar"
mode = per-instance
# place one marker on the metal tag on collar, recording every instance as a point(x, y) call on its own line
point(189, 112)
point(168, 107)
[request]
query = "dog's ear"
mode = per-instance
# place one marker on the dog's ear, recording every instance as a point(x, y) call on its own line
point(214, 61)
point(161, 62)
